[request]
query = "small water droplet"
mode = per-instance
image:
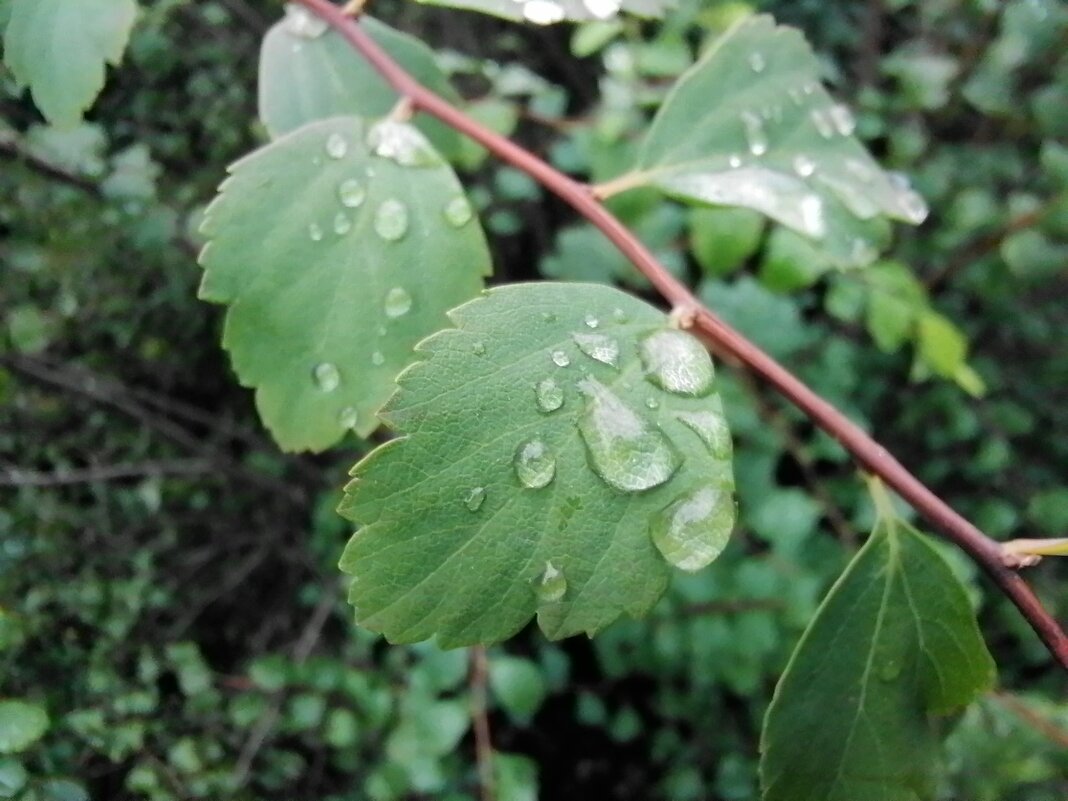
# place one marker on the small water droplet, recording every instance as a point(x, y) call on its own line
point(391, 220)
point(678, 363)
point(591, 321)
point(401, 143)
point(599, 348)
point(301, 22)
point(796, 96)
point(913, 205)
point(398, 302)
point(342, 224)
point(479, 348)
point(347, 417)
point(842, 118)
point(812, 216)
point(474, 498)
point(326, 376)
point(756, 62)
point(560, 359)
point(823, 123)
point(602, 9)
point(548, 317)
point(542, 12)
point(458, 212)
point(712, 429)
point(378, 358)
point(735, 161)
point(694, 528)
point(336, 146)
point(315, 232)
point(625, 451)
point(549, 394)
point(804, 166)
point(754, 133)
point(652, 403)
point(534, 463)
point(890, 670)
point(351, 193)
point(619, 315)
point(550, 586)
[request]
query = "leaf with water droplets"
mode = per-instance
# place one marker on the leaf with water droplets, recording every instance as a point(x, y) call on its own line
point(750, 125)
point(549, 12)
point(575, 469)
point(893, 644)
point(334, 263)
point(308, 78)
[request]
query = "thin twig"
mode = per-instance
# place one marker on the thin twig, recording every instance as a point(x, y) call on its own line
point(15, 477)
point(11, 148)
point(477, 679)
point(1046, 728)
point(719, 336)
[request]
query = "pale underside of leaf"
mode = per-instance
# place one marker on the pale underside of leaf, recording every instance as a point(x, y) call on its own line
point(305, 78)
point(548, 12)
point(893, 644)
point(60, 49)
point(452, 544)
point(328, 291)
point(751, 125)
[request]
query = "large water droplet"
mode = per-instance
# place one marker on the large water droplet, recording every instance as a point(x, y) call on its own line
point(624, 450)
point(599, 348)
point(542, 12)
point(754, 133)
point(712, 430)
point(549, 394)
point(342, 224)
point(315, 232)
point(602, 9)
point(676, 362)
point(347, 417)
point(842, 119)
point(326, 376)
point(804, 166)
point(336, 146)
point(391, 220)
point(474, 498)
point(550, 586)
point(301, 22)
point(560, 359)
point(351, 193)
point(401, 143)
point(535, 464)
point(398, 302)
point(756, 62)
point(694, 528)
point(458, 212)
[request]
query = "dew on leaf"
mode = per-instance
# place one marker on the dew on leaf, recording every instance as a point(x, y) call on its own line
point(551, 585)
point(822, 121)
point(652, 403)
point(315, 232)
point(342, 224)
point(890, 670)
point(398, 302)
point(712, 429)
point(756, 62)
point(602, 9)
point(676, 362)
point(474, 498)
point(351, 193)
point(534, 463)
point(336, 146)
point(549, 395)
point(326, 376)
point(542, 12)
point(479, 348)
point(619, 315)
point(598, 347)
point(624, 450)
point(914, 206)
point(378, 358)
point(301, 22)
point(694, 528)
point(812, 221)
point(842, 119)
point(735, 161)
point(457, 212)
point(591, 321)
point(754, 133)
point(560, 359)
point(548, 317)
point(804, 166)
point(391, 220)
point(401, 143)
point(347, 417)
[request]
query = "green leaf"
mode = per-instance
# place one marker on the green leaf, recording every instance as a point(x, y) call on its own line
point(722, 239)
point(59, 49)
point(12, 778)
point(893, 644)
point(518, 685)
point(309, 72)
point(335, 261)
point(750, 125)
point(21, 725)
point(941, 344)
point(547, 12)
point(515, 777)
point(539, 471)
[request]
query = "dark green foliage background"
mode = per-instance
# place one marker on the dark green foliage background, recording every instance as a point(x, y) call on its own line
point(184, 624)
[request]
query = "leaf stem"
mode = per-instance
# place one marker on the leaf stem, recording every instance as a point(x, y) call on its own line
point(477, 681)
point(719, 336)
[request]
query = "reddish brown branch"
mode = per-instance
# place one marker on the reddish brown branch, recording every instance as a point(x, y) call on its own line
point(721, 338)
point(477, 681)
